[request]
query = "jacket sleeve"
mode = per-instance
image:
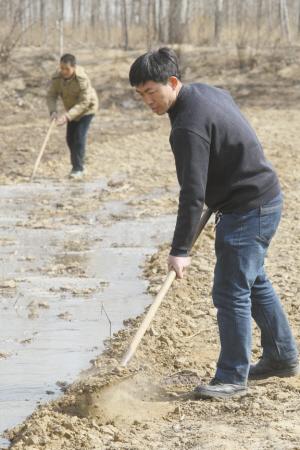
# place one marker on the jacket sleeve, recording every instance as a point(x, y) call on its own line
point(191, 154)
point(52, 96)
point(84, 99)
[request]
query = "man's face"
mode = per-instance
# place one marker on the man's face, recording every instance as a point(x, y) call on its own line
point(159, 97)
point(66, 70)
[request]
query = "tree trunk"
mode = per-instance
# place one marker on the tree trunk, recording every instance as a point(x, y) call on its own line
point(218, 20)
point(175, 32)
point(74, 14)
point(151, 23)
point(124, 25)
point(44, 20)
point(298, 30)
point(23, 18)
point(135, 15)
point(79, 12)
point(108, 20)
point(259, 21)
point(284, 20)
point(270, 17)
point(160, 22)
point(61, 27)
point(93, 15)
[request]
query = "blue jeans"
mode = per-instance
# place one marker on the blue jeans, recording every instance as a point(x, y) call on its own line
point(76, 140)
point(241, 289)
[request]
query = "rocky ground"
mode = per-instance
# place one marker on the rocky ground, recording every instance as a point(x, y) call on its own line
point(145, 407)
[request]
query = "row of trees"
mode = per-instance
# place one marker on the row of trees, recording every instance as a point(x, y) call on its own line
point(132, 23)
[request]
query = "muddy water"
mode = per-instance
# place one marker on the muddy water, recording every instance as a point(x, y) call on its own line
point(64, 288)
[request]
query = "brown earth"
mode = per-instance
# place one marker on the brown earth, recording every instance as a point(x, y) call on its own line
point(141, 407)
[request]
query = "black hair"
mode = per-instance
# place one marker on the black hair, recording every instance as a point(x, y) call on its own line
point(67, 58)
point(157, 65)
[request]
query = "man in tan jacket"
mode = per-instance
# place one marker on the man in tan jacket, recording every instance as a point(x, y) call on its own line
point(80, 101)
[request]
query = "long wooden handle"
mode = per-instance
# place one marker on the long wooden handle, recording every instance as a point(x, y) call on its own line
point(158, 299)
point(38, 160)
point(148, 318)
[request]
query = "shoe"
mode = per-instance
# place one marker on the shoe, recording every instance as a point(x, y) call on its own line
point(77, 174)
point(266, 368)
point(217, 389)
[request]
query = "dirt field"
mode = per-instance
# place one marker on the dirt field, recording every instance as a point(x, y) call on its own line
point(141, 407)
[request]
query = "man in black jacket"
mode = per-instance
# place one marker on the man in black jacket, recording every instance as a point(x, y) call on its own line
point(220, 162)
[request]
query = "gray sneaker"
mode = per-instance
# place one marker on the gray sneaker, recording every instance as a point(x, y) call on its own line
point(217, 389)
point(77, 174)
point(266, 368)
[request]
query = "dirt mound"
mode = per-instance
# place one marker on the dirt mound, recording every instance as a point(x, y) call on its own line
point(133, 399)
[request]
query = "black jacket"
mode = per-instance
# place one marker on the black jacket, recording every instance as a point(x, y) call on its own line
point(219, 160)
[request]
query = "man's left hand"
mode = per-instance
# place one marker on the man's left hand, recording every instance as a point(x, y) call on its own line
point(178, 263)
point(62, 120)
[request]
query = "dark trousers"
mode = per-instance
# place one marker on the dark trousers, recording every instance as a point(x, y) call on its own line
point(76, 140)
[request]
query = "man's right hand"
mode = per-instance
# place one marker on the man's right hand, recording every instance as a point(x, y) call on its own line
point(53, 116)
point(179, 264)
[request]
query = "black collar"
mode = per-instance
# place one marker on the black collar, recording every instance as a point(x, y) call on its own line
point(176, 105)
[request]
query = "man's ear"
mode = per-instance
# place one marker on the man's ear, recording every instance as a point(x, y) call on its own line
point(173, 81)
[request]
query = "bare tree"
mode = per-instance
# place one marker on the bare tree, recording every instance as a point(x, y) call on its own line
point(44, 20)
point(218, 19)
point(135, 15)
point(61, 26)
point(298, 30)
point(151, 23)
point(160, 21)
point(124, 24)
point(108, 19)
point(269, 16)
point(284, 20)
point(93, 18)
point(18, 14)
point(79, 12)
point(259, 20)
point(148, 22)
point(175, 30)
